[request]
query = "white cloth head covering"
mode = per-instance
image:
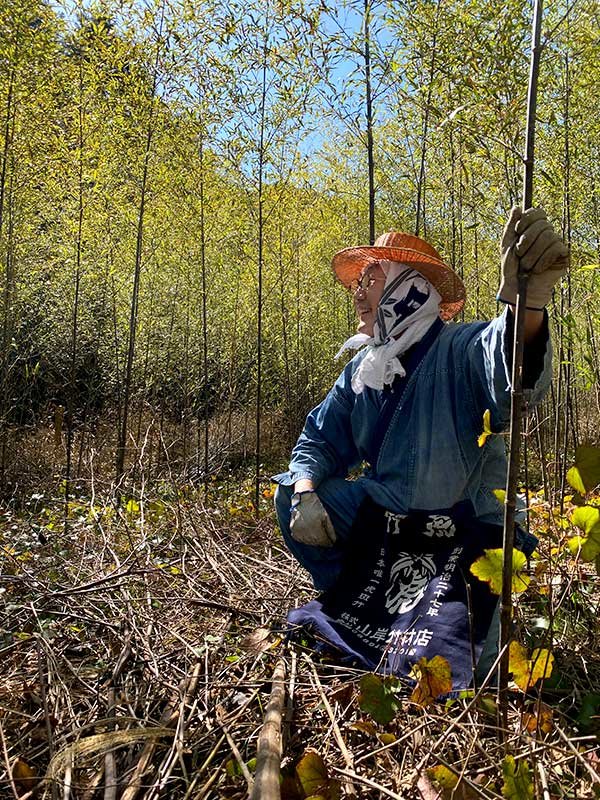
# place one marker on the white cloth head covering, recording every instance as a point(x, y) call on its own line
point(408, 307)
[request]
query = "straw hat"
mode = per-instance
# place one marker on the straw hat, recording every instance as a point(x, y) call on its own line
point(349, 263)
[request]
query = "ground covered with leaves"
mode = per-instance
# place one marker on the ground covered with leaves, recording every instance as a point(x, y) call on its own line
point(138, 643)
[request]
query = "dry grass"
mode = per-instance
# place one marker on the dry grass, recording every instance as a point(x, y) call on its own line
point(132, 668)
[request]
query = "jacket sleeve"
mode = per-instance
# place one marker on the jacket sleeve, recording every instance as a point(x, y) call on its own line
point(489, 367)
point(326, 447)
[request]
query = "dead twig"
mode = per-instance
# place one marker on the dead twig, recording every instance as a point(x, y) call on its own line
point(347, 756)
point(168, 719)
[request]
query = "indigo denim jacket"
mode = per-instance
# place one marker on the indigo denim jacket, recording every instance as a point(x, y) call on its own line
point(429, 456)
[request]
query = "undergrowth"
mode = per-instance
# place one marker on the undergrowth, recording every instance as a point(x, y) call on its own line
point(138, 640)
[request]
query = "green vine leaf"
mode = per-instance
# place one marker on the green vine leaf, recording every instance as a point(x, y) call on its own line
point(314, 777)
point(378, 697)
point(587, 518)
point(488, 568)
point(584, 477)
point(517, 783)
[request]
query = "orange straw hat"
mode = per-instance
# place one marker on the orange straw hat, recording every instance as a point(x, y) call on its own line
point(349, 263)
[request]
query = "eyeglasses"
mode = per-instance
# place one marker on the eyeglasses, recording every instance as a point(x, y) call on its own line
point(366, 280)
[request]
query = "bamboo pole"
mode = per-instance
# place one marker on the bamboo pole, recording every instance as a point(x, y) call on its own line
point(268, 759)
point(516, 411)
point(369, 110)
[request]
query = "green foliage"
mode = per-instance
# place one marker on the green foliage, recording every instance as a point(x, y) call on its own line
point(488, 568)
point(584, 476)
point(517, 782)
point(379, 697)
point(314, 778)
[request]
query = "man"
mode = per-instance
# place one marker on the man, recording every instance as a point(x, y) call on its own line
point(409, 406)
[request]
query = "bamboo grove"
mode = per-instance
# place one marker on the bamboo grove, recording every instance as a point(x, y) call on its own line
point(175, 177)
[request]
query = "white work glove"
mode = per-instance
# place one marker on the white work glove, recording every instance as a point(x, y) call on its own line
point(529, 236)
point(310, 523)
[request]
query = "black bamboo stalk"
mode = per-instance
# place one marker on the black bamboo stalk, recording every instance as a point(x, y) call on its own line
point(517, 388)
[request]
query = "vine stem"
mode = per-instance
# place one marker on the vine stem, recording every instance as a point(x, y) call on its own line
point(516, 411)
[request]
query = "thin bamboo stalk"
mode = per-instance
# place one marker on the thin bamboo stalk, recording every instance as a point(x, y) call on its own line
point(369, 113)
point(517, 389)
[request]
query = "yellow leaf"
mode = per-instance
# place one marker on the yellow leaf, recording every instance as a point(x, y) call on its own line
point(434, 678)
point(539, 721)
point(364, 726)
point(387, 738)
point(517, 784)
point(23, 775)
point(443, 777)
point(526, 673)
point(487, 430)
point(500, 495)
point(488, 568)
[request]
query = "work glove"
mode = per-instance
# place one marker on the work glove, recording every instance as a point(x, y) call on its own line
point(310, 523)
point(529, 236)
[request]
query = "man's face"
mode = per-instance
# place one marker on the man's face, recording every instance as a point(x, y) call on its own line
point(366, 296)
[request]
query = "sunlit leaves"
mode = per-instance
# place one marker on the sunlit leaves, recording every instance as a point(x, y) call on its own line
point(500, 495)
point(444, 777)
point(584, 477)
point(540, 719)
point(487, 429)
point(528, 671)
point(488, 568)
point(378, 697)
point(434, 678)
point(588, 519)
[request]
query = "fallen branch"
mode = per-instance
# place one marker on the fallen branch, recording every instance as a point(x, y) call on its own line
point(268, 758)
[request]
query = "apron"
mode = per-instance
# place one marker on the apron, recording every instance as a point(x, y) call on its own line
point(409, 593)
